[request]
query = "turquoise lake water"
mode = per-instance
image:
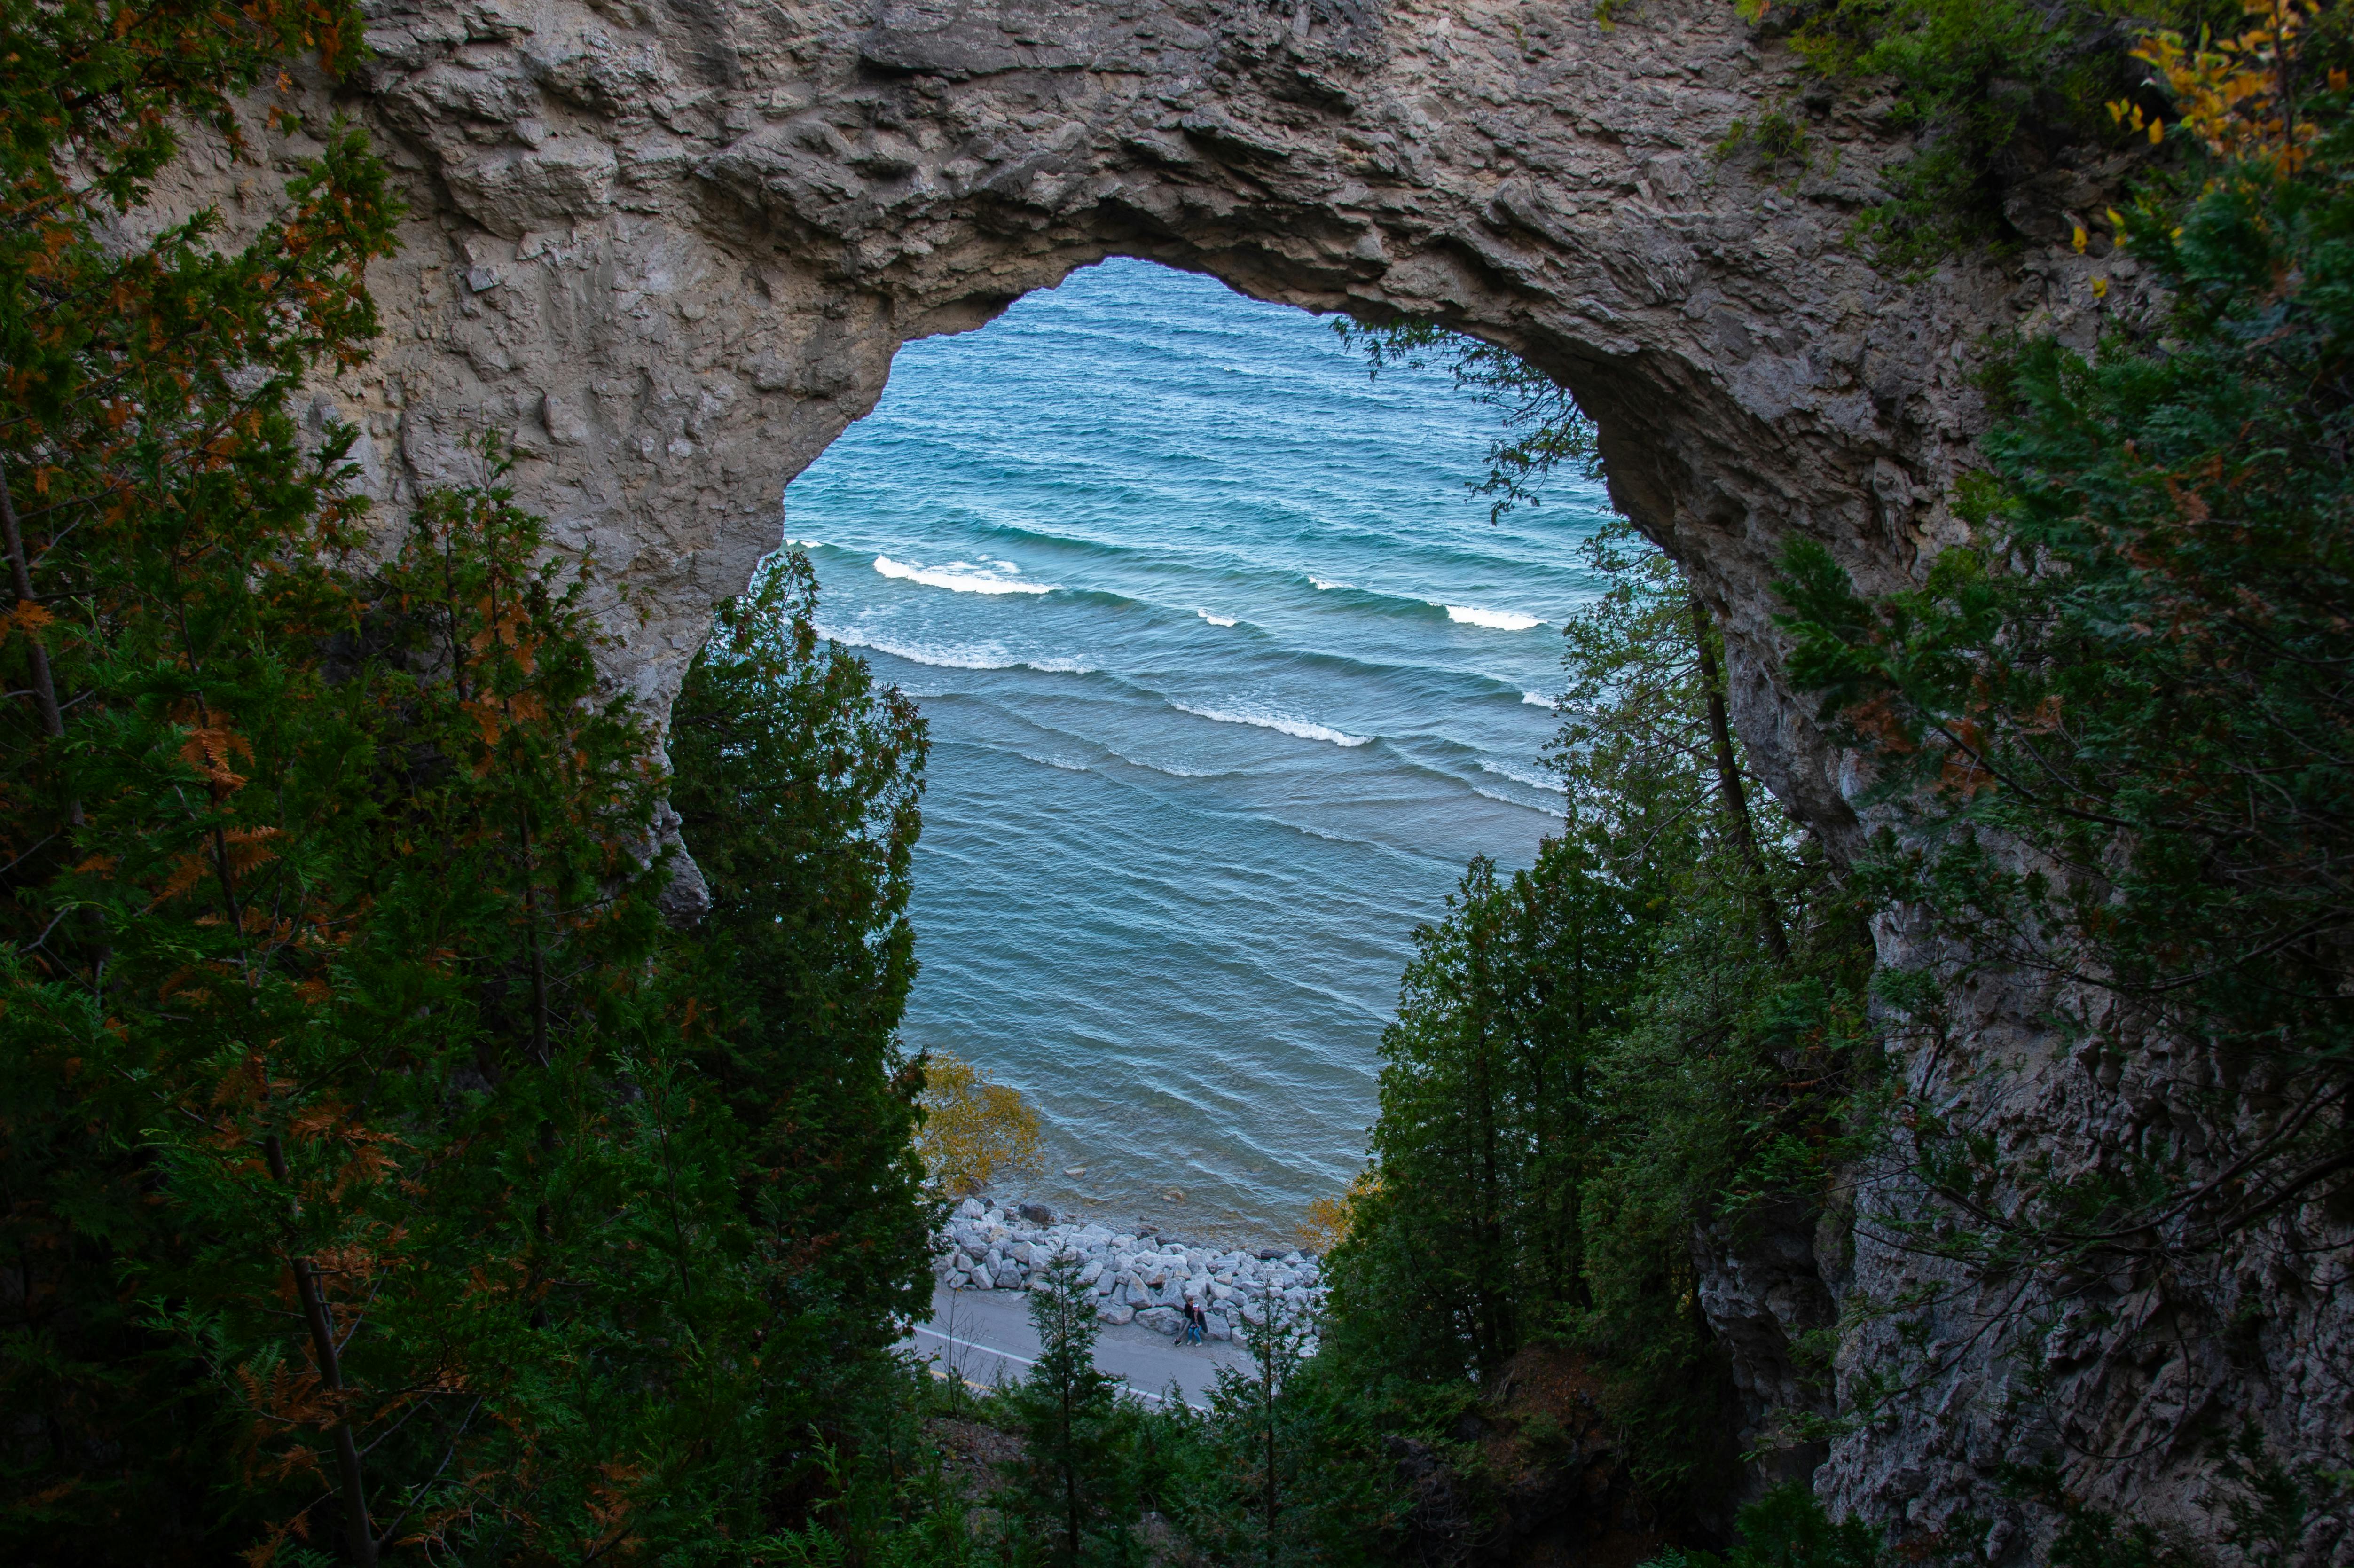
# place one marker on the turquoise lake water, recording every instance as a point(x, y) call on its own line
point(1227, 675)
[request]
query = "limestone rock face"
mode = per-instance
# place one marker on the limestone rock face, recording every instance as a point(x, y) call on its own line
point(667, 249)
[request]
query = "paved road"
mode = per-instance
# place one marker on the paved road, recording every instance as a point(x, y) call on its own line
point(984, 1336)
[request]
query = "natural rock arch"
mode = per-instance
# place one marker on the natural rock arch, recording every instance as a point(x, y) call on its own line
point(668, 247)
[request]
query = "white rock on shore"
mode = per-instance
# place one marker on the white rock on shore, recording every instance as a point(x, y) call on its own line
point(1144, 1277)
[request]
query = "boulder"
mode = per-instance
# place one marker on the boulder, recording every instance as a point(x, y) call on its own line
point(1116, 1312)
point(1037, 1214)
point(1163, 1320)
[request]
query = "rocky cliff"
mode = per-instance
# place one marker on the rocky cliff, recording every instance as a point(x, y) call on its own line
point(667, 248)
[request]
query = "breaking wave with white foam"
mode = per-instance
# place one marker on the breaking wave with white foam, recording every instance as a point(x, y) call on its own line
point(986, 657)
point(1494, 619)
point(1302, 728)
point(961, 576)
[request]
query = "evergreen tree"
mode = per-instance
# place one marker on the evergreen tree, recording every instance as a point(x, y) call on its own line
point(1472, 1237)
point(798, 782)
point(1269, 1435)
point(2115, 726)
point(1076, 1482)
point(1650, 1032)
point(368, 1193)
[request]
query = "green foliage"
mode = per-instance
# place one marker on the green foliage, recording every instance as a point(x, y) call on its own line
point(1075, 1486)
point(326, 1020)
point(1787, 1528)
point(1286, 1418)
point(1991, 91)
point(2113, 729)
point(884, 1498)
point(1472, 1241)
point(1778, 137)
point(93, 98)
point(798, 784)
point(1995, 94)
point(1656, 1029)
point(380, 1178)
point(1287, 1473)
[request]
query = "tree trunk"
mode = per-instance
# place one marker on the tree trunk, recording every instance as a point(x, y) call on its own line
point(45, 692)
point(1266, 1408)
point(1729, 790)
point(539, 1047)
point(357, 1532)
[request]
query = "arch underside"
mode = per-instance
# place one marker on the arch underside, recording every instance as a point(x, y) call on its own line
point(667, 248)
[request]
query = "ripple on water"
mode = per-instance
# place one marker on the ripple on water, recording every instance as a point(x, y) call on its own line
point(1228, 674)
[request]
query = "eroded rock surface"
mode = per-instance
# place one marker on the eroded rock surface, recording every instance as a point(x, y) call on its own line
point(667, 248)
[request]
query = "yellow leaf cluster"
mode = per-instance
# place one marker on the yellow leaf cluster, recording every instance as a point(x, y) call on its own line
point(1329, 1219)
point(2235, 94)
point(975, 1129)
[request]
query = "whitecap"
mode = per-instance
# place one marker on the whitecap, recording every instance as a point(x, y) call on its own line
point(1321, 584)
point(1302, 728)
point(958, 576)
point(1494, 619)
point(1517, 776)
point(986, 657)
point(1536, 699)
point(1216, 619)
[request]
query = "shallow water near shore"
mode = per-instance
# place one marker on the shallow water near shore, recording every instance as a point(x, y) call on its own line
point(1227, 676)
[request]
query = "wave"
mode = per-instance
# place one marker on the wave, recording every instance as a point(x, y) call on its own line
point(960, 577)
point(1494, 619)
point(1384, 602)
point(1302, 728)
point(1523, 805)
point(1216, 619)
point(986, 658)
point(1517, 776)
point(1537, 700)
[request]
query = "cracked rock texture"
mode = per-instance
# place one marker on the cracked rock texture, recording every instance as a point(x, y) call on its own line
point(667, 248)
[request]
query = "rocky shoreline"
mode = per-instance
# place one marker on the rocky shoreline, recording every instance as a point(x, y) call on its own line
point(1143, 1276)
